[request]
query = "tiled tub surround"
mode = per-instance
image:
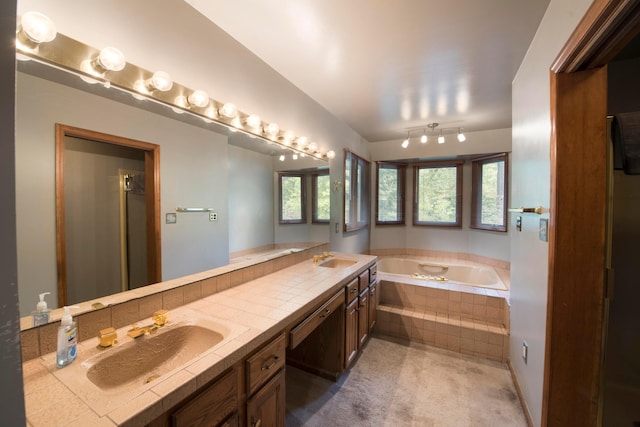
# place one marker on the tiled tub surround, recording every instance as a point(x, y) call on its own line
point(124, 309)
point(455, 317)
point(257, 311)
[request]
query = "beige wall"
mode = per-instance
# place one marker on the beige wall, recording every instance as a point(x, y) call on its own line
point(531, 187)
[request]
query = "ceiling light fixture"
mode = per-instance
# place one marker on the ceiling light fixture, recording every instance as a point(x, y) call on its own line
point(159, 81)
point(198, 98)
point(228, 110)
point(36, 28)
point(441, 138)
point(405, 143)
point(294, 156)
point(461, 136)
point(253, 121)
point(423, 138)
point(282, 157)
point(109, 59)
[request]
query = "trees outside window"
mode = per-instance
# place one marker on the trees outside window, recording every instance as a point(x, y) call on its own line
point(437, 195)
point(292, 198)
point(356, 192)
point(390, 193)
point(489, 193)
point(321, 189)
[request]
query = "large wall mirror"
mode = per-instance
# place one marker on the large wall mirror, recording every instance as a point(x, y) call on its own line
point(201, 165)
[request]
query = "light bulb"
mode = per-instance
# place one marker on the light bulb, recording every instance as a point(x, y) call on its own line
point(461, 137)
point(198, 98)
point(295, 156)
point(282, 157)
point(229, 110)
point(302, 141)
point(111, 59)
point(441, 139)
point(405, 143)
point(37, 27)
point(312, 146)
point(331, 154)
point(423, 138)
point(211, 112)
point(287, 137)
point(160, 81)
point(253, 121)
point(272, 129)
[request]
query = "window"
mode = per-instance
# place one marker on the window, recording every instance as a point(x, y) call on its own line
point(390, 180)
point(489, 193)
point(437, 194)
point(356, 192)
point(321, 189)
point(292, 198)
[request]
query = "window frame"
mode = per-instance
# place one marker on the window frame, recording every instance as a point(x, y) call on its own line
point(458, 164)
point(314, 197)
point(476, 192)
point(401, 191)
point(303, 206)
point(359, 207)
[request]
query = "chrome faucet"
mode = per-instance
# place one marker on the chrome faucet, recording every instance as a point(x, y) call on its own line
point(159, 319)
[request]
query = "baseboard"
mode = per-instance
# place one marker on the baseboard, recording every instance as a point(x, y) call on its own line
point(525, 408)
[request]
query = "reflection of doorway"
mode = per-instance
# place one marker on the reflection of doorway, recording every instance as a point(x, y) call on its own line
point(133, 236)
point(108, 237)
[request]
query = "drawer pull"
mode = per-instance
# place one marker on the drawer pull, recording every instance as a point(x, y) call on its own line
point(256, 423)
point(325, 313)
point(271, 365)
point(354, 290)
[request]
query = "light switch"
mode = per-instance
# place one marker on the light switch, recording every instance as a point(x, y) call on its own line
point(171, 218)
point(519, 223)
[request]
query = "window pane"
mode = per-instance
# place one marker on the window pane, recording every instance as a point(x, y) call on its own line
point(347, 189)
point(437, 194)
point(492, 212)
point(291, 198)
point(323, 194)
point(388, 194)
point(360, 192)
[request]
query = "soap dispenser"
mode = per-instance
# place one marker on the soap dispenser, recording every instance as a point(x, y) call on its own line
point(67, 339)
point(41, 315)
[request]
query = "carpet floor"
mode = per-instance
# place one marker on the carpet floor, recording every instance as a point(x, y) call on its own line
point(401, 383)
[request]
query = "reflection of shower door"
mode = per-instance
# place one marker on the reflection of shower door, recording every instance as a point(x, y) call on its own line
point(133, 235)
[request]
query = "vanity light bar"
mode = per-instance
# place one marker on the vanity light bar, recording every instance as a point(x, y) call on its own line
point(77, 58)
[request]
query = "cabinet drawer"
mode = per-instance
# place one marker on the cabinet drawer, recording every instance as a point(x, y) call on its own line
point(308, 325)
point(211, 406)
point(352, 290)
point(373, 273)
point(363, 279)
point(265, 363)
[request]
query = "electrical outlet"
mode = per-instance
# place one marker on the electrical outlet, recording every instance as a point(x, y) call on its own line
point(213, 216)
point(525, 351)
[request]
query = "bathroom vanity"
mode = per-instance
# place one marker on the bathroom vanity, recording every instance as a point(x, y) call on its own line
point(307, 314)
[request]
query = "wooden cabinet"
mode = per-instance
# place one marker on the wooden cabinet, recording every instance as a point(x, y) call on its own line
point(266, 386)
point(373, 305)
point(267, 407)
point(363, 317)
point(216, 405)
point(360, 314)
point(351, 332)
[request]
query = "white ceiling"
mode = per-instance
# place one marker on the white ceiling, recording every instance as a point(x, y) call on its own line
point(387, 66)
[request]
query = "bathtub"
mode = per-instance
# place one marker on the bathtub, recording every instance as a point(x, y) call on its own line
point(442, 272)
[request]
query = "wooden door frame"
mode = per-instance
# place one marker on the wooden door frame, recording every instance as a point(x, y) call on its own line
point(152, 196)
point(577, 241)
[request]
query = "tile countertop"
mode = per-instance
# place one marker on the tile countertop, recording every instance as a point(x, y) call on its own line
point(251, 314)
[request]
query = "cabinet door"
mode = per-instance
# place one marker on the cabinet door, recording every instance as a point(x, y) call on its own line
point(373, 305)
point(267, 407)
point(351, 332)
point(363, 317)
